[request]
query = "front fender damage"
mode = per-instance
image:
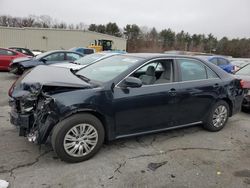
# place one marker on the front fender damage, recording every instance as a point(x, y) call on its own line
point(33, 111)
point(45, 118)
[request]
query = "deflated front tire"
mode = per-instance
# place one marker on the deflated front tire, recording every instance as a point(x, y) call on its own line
point(78, 138)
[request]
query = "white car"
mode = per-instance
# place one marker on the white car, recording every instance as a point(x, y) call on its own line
point(86, 60)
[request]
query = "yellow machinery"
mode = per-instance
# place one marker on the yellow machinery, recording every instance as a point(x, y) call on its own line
point(101, 45)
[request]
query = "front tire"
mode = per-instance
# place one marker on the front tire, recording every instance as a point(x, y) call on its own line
point(78, 137)
point(218, 117)
point(17, 69)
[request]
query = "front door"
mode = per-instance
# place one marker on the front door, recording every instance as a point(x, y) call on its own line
point(149, 107)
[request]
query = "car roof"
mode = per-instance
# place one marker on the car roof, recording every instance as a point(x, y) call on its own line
point(107, 53)
point(210, 56)
point(18, 48)
point(52, 51)
point(10, 50)
point(6, 49)
point(58, 51)
point(81, 48)
point(158, 55)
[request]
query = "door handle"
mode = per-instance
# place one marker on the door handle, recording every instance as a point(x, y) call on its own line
point(172, 92)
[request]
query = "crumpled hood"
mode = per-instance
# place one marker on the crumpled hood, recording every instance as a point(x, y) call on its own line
point(69, 65)
point(22, 59)
point(29, 63)
point(42, 75)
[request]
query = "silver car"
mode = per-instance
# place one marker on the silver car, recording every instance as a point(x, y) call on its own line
point(86, 60)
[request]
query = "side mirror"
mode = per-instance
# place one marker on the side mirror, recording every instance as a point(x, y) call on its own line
point(132, 82)
point(43, 60)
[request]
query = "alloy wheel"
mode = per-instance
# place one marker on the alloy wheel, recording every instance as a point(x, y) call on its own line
point(220, 116)
point(80, 140)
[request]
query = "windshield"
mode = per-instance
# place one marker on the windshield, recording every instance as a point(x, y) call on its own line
point(89, 59)
point(42, 55)
point(109, 68)
point(244, 71)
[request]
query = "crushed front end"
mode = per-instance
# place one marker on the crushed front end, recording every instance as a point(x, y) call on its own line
point(35, 109)
point(31, 112)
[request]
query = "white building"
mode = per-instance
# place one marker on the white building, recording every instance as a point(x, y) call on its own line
point(53, 39)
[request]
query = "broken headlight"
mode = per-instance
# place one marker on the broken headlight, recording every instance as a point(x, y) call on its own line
point(27, 105)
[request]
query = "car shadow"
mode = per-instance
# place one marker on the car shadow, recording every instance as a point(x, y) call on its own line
point(149, 139)
point(8, 76)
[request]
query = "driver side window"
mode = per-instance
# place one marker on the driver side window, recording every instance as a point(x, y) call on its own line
point(55, 57)
point(156, 72)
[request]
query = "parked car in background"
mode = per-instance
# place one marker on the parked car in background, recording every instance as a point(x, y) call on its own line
point(84, 51)
point(23, 50)
point(6, 56)
point(238, 64)
point(220, 61)
point(244, 75)
point(18, 66)
point(120, 96)
point(86, 60)
point(37, 52)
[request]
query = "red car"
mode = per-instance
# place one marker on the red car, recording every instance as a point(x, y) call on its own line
point(6, 56)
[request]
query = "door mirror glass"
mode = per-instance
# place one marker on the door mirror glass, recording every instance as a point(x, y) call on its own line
point(132, 82)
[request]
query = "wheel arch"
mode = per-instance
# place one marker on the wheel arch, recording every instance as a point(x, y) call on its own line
point(230, 104)
point(95, 113)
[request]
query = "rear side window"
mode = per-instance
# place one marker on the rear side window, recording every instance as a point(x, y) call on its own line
point(6, 52)
point(211, 74)
point(73, 56)
point(88, 51)
point(222, 61)
point(80, 50)
point(194, 70)
point(214, 61)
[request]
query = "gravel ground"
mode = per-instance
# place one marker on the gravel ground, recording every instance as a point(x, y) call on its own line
point(190, 157)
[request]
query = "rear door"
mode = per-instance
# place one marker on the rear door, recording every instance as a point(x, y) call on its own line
point(197, 91)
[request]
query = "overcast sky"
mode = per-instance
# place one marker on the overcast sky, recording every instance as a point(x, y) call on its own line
point(229, 18)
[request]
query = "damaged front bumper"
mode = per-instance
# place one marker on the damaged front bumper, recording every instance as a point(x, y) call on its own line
point(33, 121)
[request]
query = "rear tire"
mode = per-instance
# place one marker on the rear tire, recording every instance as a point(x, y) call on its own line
point(77, 138)
point(218, 117)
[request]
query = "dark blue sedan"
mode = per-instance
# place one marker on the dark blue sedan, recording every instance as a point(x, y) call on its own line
point(221, 61)
point(20, 65)
point(121, 96)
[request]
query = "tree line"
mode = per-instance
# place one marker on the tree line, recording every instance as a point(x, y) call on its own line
point(143, 39)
